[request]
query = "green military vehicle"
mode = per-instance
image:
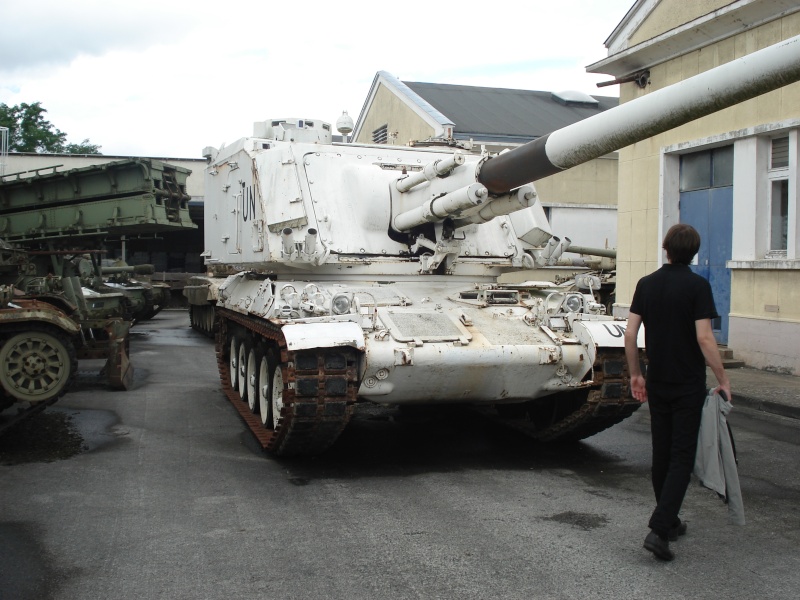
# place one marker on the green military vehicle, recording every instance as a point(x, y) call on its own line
point(55, 223)
point(47, 323)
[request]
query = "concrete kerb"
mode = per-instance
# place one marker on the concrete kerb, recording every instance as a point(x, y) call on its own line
point(764, 391)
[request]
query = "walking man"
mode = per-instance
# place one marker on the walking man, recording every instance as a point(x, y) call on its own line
point(676, 307)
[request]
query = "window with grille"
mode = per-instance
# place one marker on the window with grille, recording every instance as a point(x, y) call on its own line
point(778, 197)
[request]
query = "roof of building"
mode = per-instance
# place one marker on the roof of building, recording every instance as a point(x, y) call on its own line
point(506, 114)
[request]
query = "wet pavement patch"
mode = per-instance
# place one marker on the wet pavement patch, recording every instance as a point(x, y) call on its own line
point(585, 521)
point(44, 437)
point(24, 570)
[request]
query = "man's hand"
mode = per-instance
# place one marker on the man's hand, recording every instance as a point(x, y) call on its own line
point(638, 389)
point(727, 392)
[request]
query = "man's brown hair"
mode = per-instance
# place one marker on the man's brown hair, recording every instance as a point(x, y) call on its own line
point(681, 243)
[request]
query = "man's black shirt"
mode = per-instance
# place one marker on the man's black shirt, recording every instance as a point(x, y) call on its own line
point(669, 301)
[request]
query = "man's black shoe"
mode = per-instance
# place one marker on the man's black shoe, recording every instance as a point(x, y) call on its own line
point(657, 546)
point(677, 531)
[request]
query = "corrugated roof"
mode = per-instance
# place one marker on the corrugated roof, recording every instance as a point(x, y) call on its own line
point(483, 112)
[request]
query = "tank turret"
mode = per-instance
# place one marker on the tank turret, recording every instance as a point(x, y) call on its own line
point(346, 273)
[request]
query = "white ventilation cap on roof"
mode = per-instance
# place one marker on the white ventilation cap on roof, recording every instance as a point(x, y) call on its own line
point(573, 97)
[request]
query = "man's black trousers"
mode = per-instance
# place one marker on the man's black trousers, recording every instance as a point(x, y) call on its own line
point(674, 423)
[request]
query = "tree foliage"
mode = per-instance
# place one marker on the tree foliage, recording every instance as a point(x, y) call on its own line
point(29, 131)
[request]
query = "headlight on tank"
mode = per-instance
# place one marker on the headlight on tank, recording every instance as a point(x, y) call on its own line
point(340, 304)
point(573, 303)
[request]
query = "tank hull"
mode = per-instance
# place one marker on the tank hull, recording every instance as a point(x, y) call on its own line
point(436, 341)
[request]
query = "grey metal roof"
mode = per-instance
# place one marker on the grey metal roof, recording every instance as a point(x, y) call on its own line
point(504, 114)
point(402, 88)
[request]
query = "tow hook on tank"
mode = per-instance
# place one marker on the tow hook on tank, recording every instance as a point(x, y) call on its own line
point(563, 373)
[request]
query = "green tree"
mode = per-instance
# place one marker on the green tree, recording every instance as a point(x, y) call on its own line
point(85, 147)
point(29, 131)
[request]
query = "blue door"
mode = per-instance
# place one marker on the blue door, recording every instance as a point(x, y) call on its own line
point(710, 212)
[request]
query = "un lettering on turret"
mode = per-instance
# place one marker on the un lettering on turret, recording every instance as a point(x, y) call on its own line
point(248, 203)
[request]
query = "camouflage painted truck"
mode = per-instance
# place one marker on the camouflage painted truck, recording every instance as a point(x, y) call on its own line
point(375, 273)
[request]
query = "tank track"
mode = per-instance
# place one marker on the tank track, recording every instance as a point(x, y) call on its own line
point(320, 388)
point(607, 402)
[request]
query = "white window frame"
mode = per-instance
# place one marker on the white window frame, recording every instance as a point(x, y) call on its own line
point(752, 184)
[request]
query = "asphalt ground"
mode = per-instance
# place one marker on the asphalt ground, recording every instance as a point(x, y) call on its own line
point(171, 497)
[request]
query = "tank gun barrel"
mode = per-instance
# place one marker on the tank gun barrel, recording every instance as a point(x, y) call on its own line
point(734, 82)
point(441, 207)
point(604, 252)
point(137, 269)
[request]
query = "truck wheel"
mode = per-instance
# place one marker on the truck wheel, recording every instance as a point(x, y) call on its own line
point(37, 365)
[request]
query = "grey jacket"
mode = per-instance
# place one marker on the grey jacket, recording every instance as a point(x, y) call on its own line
point(715, 463)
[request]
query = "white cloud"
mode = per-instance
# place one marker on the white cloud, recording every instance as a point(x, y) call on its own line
point(168, 78)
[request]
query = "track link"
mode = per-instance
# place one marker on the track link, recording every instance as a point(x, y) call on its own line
point(572, 416)
point(320, 388)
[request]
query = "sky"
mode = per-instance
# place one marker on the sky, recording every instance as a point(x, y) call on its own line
point(167, 78)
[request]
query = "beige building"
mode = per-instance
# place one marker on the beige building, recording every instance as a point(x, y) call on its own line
point(733, 175)
point(580, 203)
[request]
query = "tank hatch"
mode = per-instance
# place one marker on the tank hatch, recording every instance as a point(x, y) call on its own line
point(423, 326)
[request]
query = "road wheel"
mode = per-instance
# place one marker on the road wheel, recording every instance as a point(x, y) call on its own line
point(244, 350)
point(233, 359)
point(37, 365)
point(209, 319)
point(253, 365)
point(264, 371)
point(276, 396)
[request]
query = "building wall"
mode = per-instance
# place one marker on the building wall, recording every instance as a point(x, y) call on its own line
point(594, 182)
point(388, 109)
point(589, 226)
point(648, 189)
point(765, 318)
point(668, 15)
